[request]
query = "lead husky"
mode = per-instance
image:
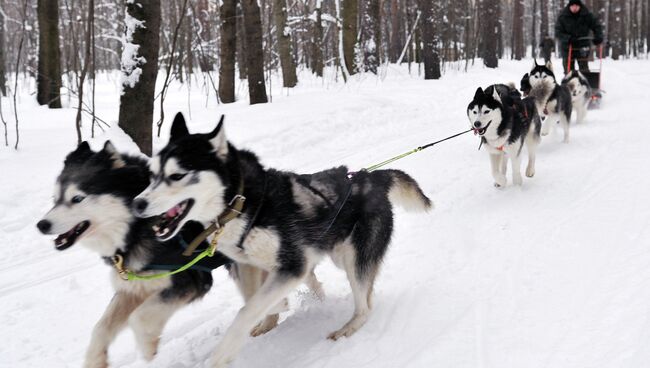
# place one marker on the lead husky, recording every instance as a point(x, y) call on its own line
point(580, 93)
point(505, 123)
point(553, 101)
point(92, 206)
point(289, 223)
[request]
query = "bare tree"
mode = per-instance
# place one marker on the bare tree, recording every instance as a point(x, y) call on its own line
point(170, 66)
point(491, 12)
point(317, 44)
point(140, 69)
point(254, 52)
point(49, 55)
point(616, 28)
point(283, 34)
point(228, 47)
point(349, 14)
point(86, 61)
point(518, 30)
point(3, 80)
point(430, 37)
point(371, 34)
point(543, 31)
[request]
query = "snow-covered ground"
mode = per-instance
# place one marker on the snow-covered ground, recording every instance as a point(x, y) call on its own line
point(555, 273)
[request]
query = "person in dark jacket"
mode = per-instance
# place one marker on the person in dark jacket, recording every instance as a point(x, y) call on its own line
point(572, 28)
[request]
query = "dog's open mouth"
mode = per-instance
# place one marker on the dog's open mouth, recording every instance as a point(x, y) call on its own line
point(169, 221)
point(66, 240)
point(481, 131)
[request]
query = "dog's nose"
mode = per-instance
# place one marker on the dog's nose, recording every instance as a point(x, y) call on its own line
point(44, 226)
point(139, 205)
point(477, 124)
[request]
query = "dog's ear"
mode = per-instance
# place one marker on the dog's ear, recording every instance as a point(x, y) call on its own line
point(549, 65)
point(218, 139)
point(79, 155)
point(478, 93)
point(496, 96)
point(535, 63)
point(179, 128)
point(115, 156)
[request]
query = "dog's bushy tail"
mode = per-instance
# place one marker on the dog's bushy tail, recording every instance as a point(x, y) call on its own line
point(405, 192)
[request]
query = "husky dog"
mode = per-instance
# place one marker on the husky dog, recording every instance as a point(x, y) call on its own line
point(289, 222)
point(524, 85)
point(92, 206)
point(505, 123)
point(580, 93)
point(553, 101)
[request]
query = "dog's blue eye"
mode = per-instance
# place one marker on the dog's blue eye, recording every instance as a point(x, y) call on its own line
point(77, 199)
point(176, 177)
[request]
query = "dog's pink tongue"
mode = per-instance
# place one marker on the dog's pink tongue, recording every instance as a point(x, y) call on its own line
point(172, 211)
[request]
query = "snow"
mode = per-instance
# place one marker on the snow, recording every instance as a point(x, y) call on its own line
point(131, 62)
point(555, 273)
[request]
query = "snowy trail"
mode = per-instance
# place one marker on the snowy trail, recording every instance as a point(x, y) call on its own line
point(555, 273)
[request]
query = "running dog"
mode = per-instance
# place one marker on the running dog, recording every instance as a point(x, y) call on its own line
point(289, 222)
point(92, 206)
point(553, 101)
point(580, 90)
point(505, 124)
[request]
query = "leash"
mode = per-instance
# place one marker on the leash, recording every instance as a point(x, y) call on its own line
point(232, 211)
point(374, 167)
point(128, 275)
point(398, 157)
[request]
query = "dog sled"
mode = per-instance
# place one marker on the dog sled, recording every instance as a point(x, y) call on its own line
point(592, 75)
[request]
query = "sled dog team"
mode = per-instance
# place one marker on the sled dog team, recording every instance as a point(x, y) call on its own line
point(506, 122)
point(145, 213)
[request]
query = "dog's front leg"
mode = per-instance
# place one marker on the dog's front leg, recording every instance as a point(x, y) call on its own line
point(249, 279)
point(495, 162)
point(275, 288)
point(515, 161)
point(109, 325)
point(149, 319)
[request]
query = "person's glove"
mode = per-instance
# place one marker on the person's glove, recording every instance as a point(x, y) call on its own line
point(598, 41)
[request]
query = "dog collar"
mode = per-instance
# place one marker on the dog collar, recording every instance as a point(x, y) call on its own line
point(232, 211)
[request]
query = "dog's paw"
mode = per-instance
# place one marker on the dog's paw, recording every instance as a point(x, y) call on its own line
point(269, 323)
point(530, 172)
point(220, 360)
point(500, 181)
point(99, 360)
point(344, 332)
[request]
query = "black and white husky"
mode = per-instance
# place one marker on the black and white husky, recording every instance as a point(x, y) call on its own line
point(505, 124)
point(92, 202)
point(289, 222)
point(553, 100)
point(580, 90)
